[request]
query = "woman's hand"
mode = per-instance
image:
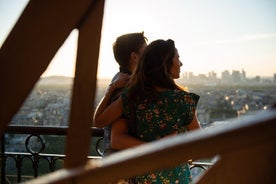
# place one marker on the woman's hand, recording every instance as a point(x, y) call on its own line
point(120, 81)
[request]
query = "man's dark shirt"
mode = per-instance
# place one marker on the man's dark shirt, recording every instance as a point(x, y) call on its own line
point(107, 130)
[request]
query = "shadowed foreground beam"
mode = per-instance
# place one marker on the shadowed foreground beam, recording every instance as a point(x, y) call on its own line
point(84, 89)
point(232, 141)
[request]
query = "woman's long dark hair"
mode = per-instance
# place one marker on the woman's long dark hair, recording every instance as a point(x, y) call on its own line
point(153, 70)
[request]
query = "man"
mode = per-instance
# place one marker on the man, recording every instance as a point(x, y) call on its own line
point(127, 50)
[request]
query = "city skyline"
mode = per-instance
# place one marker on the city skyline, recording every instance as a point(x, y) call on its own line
point(209, 35)
point(218, 75)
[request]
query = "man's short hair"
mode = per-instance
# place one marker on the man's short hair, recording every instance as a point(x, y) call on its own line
point(125, 45)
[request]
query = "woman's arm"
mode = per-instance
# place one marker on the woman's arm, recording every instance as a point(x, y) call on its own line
point(120, 139)
point(113, 112)
point(194, 124)
point(119, 82)
point(104, 104)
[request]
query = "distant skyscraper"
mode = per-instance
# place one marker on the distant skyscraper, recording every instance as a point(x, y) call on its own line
point(225, 76)
point(212, 75)
point(274, 78)
point(243, 75)
point(191, 75)
point(236, 76)
point(257, 79)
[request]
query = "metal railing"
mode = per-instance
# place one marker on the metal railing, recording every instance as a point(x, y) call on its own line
point(34, 153)
point(35, 156)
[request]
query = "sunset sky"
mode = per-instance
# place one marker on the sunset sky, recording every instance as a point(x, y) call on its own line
point(210, 35)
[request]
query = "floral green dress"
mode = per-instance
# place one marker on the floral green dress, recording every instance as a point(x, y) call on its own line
point(172, 111)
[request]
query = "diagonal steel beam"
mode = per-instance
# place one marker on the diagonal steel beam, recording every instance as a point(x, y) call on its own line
point(84, 86)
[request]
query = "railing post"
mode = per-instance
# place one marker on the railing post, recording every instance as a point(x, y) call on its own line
point(35, 164)
point(2, 159)
point(19, 168)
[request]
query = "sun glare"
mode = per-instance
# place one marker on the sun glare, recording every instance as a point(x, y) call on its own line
point(208, 35)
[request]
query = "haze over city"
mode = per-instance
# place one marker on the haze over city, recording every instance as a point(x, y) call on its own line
point(210, 35)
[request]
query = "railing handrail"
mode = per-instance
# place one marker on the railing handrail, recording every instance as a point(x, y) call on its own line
point(57, 155)
point(60, 131)
point(38, 131)
point(47, 130)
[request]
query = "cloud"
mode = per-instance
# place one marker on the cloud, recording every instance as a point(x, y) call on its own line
point(260, 36)
point(244, 38)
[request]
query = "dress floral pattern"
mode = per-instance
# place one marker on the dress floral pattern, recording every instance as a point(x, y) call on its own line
point(171, 112)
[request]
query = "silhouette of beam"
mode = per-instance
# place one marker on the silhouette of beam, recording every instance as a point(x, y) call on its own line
point(33, 42)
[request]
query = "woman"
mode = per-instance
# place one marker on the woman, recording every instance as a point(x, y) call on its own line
point(155, 106)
